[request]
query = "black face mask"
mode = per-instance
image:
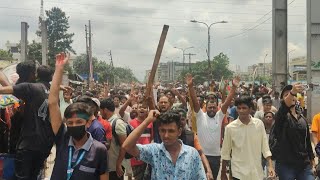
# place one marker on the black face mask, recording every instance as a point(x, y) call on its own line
point(77, 132)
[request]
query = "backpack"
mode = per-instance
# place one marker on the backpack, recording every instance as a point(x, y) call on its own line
point(129, 129)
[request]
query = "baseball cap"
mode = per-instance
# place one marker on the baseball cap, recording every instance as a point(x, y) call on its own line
point(286, 88)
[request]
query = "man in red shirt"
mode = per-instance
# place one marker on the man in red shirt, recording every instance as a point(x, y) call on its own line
point(107, 127)
point(139, 167)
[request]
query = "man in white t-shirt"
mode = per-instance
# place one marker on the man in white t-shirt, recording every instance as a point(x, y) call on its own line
point(209, 124)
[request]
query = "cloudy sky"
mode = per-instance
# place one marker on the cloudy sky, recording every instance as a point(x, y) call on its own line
point(131, 29)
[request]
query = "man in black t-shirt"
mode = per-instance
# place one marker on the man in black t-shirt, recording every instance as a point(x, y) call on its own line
point(36, 137)
point(27, 73)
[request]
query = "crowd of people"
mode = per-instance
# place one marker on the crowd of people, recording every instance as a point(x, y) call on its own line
point(239, 131)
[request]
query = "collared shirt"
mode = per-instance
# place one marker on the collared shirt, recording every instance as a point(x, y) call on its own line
point(93, 164)
point(243, 145)
point(97, 131)
point(85, 147)
point(295, 147)
point(188, 164)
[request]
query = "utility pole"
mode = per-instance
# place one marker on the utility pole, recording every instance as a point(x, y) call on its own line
point(313, 56)
point(44, 36)
point(190, 54)
point(87, 51)
point(90, 58)
point(112, 69)
point(264, 66)
point(24, 41)
point(183, 53)
point(279, 43)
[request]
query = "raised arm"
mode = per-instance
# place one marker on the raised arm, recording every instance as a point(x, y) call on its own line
point(226, 104)
point(181, 99)
point(224, 91)
point(106, 89)
point(125, 105)
point(130, 144)
point(193, 96)
point(290, 98)
point(53, 101)
point(4, 81)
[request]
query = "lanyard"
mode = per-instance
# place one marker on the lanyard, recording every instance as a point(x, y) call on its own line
point(70, 169)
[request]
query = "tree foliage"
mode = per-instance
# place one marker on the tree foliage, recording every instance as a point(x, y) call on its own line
point(219, 69)
point(59, 40)
point(5, 55)
point(103, 70)
point(34, 51)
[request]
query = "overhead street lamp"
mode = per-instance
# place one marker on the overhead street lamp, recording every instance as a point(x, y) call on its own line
point(183, 50)
point(208, 26)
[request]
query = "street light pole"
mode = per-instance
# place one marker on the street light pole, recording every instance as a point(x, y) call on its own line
point(208, 50)
point(264, 66)
point(183, 53)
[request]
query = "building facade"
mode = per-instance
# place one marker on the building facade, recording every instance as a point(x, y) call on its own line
point(13, 49)
point(168, 72)
point(298, 69)
point(260, 69)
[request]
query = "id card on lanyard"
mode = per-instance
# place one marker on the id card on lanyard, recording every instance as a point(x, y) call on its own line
point(70, 169)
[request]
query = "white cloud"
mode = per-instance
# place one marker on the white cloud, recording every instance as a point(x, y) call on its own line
point(131, 29)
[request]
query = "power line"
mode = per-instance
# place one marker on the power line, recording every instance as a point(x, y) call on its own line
point(148, 17)
point(250, 29)
point(186, 1)
point(247, 30)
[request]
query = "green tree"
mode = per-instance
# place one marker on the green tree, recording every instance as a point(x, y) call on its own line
point(35, 51)
point(59, 40)
point(81, 65)
point(219, 68)
point(5, 55)
point(103, 70)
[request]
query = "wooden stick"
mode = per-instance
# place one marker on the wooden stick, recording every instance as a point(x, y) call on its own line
point(156, 61)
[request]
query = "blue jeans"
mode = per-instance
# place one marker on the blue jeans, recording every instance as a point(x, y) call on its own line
point(286, 172)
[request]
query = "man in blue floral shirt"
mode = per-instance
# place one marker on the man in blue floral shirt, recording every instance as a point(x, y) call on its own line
point(171, 159)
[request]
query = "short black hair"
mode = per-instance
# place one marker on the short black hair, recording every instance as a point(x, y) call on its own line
point(276, 93)
point(88, 100)
point(266, 97)
point(169, 117)
point(45, 73)
point(168, 91)
point(107, 104)
point(247, 100)
point(267, 101)
point(88, 93)
point(116, 96)
point(212, 102)
point(78, 107)
point(180, 110)
point(123, 97)
point(24, 70)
